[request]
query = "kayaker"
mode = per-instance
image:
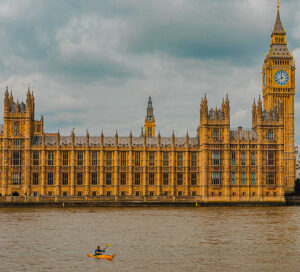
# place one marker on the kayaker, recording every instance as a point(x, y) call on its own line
point(98, 251)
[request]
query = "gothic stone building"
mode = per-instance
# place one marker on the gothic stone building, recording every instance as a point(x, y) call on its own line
point(219, 164)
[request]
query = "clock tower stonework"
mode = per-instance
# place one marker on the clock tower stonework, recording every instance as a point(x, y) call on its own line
point(278, 81)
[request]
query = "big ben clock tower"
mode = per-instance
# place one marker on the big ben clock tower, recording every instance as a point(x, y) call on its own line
point(278, 81)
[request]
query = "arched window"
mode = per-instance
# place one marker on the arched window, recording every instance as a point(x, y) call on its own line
point(17, 128)
point(270, 134)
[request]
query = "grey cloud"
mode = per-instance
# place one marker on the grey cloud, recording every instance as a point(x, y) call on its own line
point(92, 63)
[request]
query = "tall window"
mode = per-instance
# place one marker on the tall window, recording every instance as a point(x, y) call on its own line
point(94, 158)
point(233, 178)
point(150, 132)
point(16, 178)
point(35, 158)
point(270, 158)
point(252, 158)
point(216, 134)
point(179, 159)
point(193, 179)
point(123, 158)
point(65, 158)
point(215, 158)
point(123, 178)
point(65, 178)
point(215, 178)
point(79, 178)
point(35, 178)
point(270, 135)
point(108, 179)
point(108, 158)
point(16, 158)
point(94, 178)
point(165, 179)
point(151, 159)
point(270, 178)
point(137, 179)
point(253, 178)
point(151, 178)
point(243, 158)
point(194, 159)
point(50, 159)
point(50, 178)
point(80, 158)
point(179, 178)
point(165, 159)
point(233, 158)
point(137, 158)
point(243, 176)
point(17, 128)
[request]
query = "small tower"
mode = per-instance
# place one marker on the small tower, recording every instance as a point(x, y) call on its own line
point(150, 120)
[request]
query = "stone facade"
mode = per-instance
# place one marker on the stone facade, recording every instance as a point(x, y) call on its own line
point(218, 165)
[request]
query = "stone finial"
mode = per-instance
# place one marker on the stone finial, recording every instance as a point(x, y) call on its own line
point(130, 138)
point(187, 137)
point(158, 138)
point(102, 138)
point(142, 132)
point(173, 138)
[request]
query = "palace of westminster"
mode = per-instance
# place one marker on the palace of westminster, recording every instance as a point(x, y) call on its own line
point(219, 164)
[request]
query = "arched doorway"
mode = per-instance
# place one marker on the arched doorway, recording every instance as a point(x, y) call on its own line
point(15, 194)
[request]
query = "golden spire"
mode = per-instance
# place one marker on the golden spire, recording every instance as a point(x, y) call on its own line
point(278, 4)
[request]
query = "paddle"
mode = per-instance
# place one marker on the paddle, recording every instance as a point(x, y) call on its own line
point(108, 245)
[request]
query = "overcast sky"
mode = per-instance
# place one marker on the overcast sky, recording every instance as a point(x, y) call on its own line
point(93, 63)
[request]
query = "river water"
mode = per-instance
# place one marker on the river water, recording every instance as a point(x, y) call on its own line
point(151, 239)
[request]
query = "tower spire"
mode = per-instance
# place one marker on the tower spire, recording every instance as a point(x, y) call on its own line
point(278, 28)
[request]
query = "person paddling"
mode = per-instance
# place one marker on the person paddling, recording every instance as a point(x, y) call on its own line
point(98, 251)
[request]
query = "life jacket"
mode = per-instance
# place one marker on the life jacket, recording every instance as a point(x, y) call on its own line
point(98, 252)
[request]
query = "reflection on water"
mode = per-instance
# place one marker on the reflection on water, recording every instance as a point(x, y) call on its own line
point(151, 239)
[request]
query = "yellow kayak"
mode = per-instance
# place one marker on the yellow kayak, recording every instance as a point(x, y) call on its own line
point(103, 256)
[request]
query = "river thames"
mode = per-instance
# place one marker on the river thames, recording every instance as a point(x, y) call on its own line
point(151, 239)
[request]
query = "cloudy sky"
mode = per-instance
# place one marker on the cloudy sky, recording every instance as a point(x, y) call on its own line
point(93, 63)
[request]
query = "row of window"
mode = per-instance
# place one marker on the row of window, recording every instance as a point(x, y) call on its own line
point(215, 158)
point(215, 178)
point(16, 178)
point(122, 193)
point(109, 161)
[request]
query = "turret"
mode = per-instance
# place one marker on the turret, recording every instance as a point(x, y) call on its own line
point(204, 110)
point(87, 138)
point(130, 139)
point(28, 103)
point(159, 138)
point(253, 114)
point(6, 102)
point(11, 99)
point(57, 139)
point(173, 139)
point(116, 139)
point(187, 139)
point(227, 110)
point(73, 137)
point(259, 111)
point(102, 138)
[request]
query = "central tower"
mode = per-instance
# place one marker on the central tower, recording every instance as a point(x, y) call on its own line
point(278, 81)
point(150, 120)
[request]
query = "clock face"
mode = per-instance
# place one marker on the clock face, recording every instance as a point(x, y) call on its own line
point(265, 79)
point(281, 77)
